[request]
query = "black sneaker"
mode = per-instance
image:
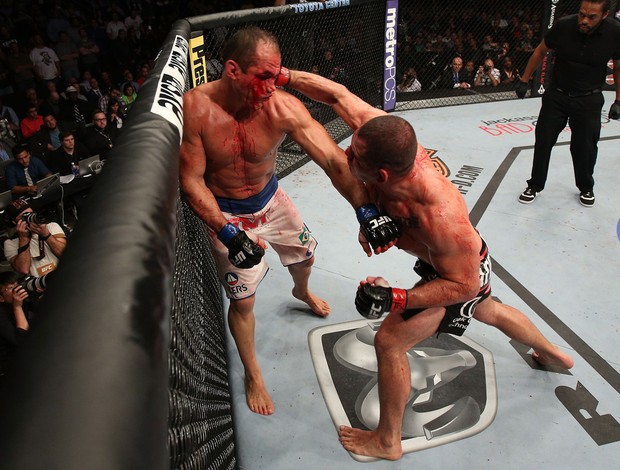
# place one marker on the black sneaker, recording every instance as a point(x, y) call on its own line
point(586, 198)
point(527, 196)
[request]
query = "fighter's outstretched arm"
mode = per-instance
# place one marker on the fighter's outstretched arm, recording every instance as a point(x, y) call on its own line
point(350, 107)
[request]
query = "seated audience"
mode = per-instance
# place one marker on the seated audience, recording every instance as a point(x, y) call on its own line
point(99, 137)
point(47, 139)
point(455, 76)
point(31, 123)
point(23, 173)
point(65, 159)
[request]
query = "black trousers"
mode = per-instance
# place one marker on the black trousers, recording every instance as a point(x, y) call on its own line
point(583, 114)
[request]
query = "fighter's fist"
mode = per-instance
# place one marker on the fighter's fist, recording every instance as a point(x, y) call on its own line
point(379, 230)
point(284, 77)
point(242, 252)
point(373, 301)
point(521, 88)
point(614, 111)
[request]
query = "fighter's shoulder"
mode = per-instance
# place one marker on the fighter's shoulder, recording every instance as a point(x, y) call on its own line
point(198, 96)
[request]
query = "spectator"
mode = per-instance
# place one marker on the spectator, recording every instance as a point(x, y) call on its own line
point(409, 81)
point(15, 318)
point(65, 158)
point(85, 83)
point(129, 96)
point(455, 77)
point(469, 73)
point(51, 105)
point(145, 69)
point(56, 24)
point(114, 26)
point(214, 66)
point(31, 122)
point(99, 137)
point(487, 74)
point(134, 20)
point(95, 94)
point(114, 93)
point(21, 68)
point(6, 85)
point(46, 62)
point(122, 52)
point(528, 43)
point(47, 139)
point(35, 247)
point(23, 173)
point(69, 54)
point(8, 113)
point(89, 53)
point(128, 77)
point(509, 73)
point(115, 116)
point(74, 110)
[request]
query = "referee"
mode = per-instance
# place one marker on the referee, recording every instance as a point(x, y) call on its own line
point(583, 44)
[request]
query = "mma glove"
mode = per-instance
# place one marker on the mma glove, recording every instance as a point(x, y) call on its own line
point(242, 252)
point(378, 229)
point(614, 111)
point(283, 78)
point(373, 301)
point(521, 88)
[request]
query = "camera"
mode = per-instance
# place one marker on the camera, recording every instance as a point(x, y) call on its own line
point(32, 218)
point(487, 68)
point(35, 285)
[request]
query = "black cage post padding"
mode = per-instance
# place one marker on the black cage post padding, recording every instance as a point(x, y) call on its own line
point(89, 389)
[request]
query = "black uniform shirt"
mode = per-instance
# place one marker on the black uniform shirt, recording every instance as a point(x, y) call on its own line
point(581, 59)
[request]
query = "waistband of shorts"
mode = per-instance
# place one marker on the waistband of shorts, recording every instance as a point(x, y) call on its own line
point(251, 204)
point(576, 94)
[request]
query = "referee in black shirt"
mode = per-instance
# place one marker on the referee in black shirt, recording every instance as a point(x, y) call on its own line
point(583, 44)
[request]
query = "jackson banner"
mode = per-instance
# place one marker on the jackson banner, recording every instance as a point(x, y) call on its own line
point(389, 55)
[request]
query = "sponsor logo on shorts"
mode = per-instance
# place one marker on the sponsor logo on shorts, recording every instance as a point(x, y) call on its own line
point(454, 394)
point(231, 279)
point(234, 288)
point(304, 236)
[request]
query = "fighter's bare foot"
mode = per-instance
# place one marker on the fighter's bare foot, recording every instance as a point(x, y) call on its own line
point(318, 306)
point(258, 398)
point(559, 359)
point(367, 443)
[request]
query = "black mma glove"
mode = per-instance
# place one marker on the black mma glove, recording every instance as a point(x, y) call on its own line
point(521, 88)
point(242, 252)
point(614, 111)
point(378, 229)
point(374, 301)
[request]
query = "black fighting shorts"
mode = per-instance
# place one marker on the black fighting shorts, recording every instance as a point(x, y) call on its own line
point(458, 316)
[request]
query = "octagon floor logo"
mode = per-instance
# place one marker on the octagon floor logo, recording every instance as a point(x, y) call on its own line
point(454, 394)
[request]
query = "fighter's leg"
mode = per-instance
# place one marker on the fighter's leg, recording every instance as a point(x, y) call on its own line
point(394, 338)
point(300, 272)
point(241, 323)
point(517, 326)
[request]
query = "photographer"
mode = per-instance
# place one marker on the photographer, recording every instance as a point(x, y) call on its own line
point(14, 317)
point(36, 246)
point(409, 81)
point(487, 74)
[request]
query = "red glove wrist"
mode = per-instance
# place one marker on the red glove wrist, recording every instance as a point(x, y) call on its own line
point(284, 77)
point(399, 300)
